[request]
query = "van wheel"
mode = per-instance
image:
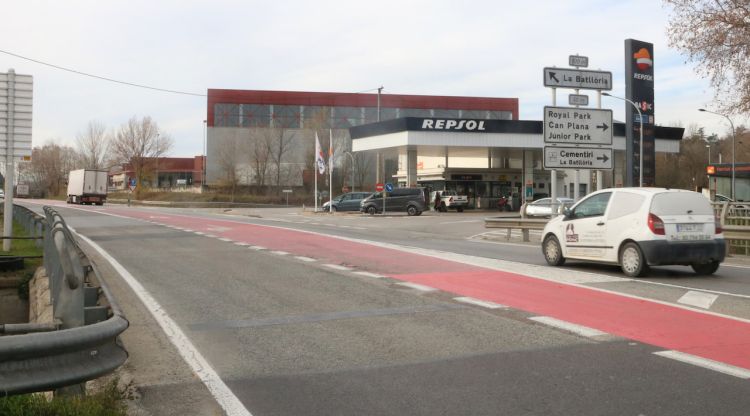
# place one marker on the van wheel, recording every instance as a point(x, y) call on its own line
point(552, 251)
point(632, 260)
point(411, 210)
point(371, 210)
point(705, 269)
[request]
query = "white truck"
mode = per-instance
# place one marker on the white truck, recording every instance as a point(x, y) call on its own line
point(451, 200)
point(87, 186)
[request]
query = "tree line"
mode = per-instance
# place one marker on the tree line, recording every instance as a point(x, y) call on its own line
point(135, 142)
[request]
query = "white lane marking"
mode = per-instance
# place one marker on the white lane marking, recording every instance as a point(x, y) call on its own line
point(417, 286)
point(280, 253)
point(369, 274)
point(706, 363)
point(303, 258)
point(699, 299)
point(226, 240)
point(200, 366)
point(241, 244)
point(257, 248)
point(187, 230)
point(210, 235)
point(482, 303)
point(337, 267)
point(568, 326)
point(459, 222)
point(718, 292)
point(199, 233)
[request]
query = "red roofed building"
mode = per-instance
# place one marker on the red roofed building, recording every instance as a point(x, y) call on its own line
point(162, 173)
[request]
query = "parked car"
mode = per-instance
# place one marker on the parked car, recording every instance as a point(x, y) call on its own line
point(346, 202)
point(637, 228)
point(543, 207)
point(412, 200)
point(2, 193)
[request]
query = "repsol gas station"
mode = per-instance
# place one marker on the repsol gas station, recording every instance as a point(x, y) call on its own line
point(575, 150)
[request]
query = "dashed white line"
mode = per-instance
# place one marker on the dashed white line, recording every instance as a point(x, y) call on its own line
point(699, 299)
point(568, 326)
point(280, 253)
point(199, 233)
point(257, 248)
point(210, 235)
point(303, 258)
point(241, 244)
point(417, 286)
point(226, 240)
point(337, 267)
point(706, 363)
point(187, 230)
point(482, 303)
point(369, 274)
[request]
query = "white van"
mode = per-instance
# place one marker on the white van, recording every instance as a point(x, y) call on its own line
point(637, 228)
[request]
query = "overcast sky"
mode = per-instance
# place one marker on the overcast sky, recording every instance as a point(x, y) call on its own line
point(479, 48)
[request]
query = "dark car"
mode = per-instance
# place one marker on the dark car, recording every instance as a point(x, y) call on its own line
point(346, 202)
point(411, 200)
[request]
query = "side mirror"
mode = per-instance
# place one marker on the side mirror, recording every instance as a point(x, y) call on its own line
point(566, 212)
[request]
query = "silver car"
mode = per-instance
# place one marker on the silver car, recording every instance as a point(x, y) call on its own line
point(543, 207)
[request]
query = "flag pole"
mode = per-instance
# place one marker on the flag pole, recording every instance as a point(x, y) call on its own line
point(315, 171)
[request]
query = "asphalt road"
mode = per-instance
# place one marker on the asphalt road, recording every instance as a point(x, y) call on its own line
point(294, 321)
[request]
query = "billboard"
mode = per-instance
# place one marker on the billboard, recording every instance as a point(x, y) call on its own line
point(639, 88)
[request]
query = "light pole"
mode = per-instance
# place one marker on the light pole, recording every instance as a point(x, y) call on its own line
point(203, 165)
point(734, 142)
point(640, 132)
point(352, 156)
point(708, 146)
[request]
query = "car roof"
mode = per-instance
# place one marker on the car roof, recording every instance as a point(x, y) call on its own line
point(643, 191)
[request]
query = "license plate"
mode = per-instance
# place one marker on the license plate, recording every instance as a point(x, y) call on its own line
point(688, 228)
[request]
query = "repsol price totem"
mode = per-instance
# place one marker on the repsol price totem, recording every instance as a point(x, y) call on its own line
point(639, 88)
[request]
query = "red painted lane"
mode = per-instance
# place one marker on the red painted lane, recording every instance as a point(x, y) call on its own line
point(709, 336)
point(327, 249)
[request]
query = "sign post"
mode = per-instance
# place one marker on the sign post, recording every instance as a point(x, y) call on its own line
point(15, 135)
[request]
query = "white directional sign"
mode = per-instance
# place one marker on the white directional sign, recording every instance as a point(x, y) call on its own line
point(572, 125)
point(578, 61)
point(16, 110)
point(577, 79)
point(559, 157)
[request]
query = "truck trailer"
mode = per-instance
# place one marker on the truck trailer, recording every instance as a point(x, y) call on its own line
point(87, 186)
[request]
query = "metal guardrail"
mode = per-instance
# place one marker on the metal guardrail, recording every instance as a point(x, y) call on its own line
point(734, 217)
point(82, 343)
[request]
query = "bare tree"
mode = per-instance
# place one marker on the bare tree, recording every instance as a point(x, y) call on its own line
point(281, 142)
point(49, 168)
point(92, 145)
point(363, 165)
point(259, 155)
point(715, 34)
point(139, 143)
point(230, 155)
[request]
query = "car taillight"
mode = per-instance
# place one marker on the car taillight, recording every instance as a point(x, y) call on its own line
point(717, 225)
point(655, 224)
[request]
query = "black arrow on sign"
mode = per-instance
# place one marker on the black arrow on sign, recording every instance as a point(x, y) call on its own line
point(603, 158)
point(603, 126)
point(552, 76)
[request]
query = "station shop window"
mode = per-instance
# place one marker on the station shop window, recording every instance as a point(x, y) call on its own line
point(500, 115)
point(415, 112)
point(255, 115)
point(439, 113)
point(474, 114)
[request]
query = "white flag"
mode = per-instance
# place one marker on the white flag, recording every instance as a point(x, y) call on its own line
point(319, 156)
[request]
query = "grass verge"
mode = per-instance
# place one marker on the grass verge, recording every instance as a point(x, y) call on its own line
point(108, 402)
point(22, 248)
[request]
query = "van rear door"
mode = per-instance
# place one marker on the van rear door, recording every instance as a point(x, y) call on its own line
point(687, 216)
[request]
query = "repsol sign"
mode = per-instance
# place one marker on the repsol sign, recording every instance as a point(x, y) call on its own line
point(452, 124)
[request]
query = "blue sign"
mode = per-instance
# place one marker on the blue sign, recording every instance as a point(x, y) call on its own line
point(132, 182)
point(389, 187)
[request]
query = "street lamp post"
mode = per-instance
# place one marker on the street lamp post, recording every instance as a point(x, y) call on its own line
point(734, 142)
point(352, 156)
point(640, 132)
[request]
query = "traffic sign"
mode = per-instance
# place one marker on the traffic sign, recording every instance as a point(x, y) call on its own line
point(578, 61)
point(577, 125)
point(578, 99)
point(379, 187)
point(577, 79)
point(389, 187)
point(558, 157)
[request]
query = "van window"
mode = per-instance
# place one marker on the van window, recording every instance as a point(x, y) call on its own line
point(625, 203)
point(680, 203)
point(592, 206)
